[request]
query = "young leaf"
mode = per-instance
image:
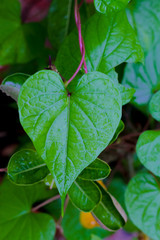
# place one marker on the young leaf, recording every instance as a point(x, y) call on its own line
point(107, 213)
point(144, 78)
point(69, 130)
point(58, 21)
point(19, 42)
point(119, 129)
point(148, 150)
point(85, 195)
point(11, 85)
point(16, 219)
point(105, 6)
point(126, 93)
point(154, 106)
point(144, 16)
point(110, 43)
point(97, 170)
point(26, 167)
point(143, 204)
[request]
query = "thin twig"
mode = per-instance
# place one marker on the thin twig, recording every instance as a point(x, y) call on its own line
point(45, 203)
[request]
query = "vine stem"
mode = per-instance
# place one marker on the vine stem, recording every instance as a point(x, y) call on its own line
point(3, 169)
point(81, 41)
point(45, 203)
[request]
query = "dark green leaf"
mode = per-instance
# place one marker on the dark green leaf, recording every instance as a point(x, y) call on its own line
point(110, 43)
point(143, 204)
point(126, 94)
point(105, 6)
point(19, 42)
point(16, 220)
point(11, 85)
point(84, 194)
point(145, 79)
point(106, 212)
point(58, 21)
point(148, 150)
point(69, 132)
point(26, 167)
point(154, 106)
point(96, 171)
point(119, 129)
point(144, 16)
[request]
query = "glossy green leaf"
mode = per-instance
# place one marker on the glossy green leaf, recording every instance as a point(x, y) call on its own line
point(110, 43)
point(145, 79)
point(144, 16)
point(154, 106)
point(19, 42)
point(85, 195)
point(107, 213)
point(72, 226)
point(16, 219)
point(58, 21)
point(119, 129)
point(126, 93)
point(105, 6)
point(148, 150)
point(97, 170)
point(26, 167)
point(69, 131)
point(11, 85)
point(143, 204)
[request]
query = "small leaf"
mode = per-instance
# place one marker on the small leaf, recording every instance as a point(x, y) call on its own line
point(119, 129)
point(148, 150)
point(96, 171)
point(106, 212)
point(16, 219)
point(85, 195)
point(154, 106)
point(69, 131)
point(143, 204)
point(126, 93)
point(11, 85)
point(26, 167)
point(105, 6)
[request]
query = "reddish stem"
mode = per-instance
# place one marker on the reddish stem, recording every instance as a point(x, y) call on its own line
point(45, 203)
point(3, 169)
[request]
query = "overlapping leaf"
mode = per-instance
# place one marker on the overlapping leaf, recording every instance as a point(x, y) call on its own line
point(105, 6)
point(154, 106)
point(69, 130)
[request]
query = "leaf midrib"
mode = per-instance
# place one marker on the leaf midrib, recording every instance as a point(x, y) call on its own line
point(30, 169)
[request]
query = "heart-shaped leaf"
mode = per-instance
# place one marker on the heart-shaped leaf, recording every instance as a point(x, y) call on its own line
point(105, 6)
point(85, 195)
point(11, 85)
point(26, 167)
point(143, 204)
point(16, 219)
point(148, 150)
point(154, 106)
point(69, 130)
point(96, 171)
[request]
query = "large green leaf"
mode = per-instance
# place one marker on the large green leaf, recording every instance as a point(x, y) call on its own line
point(126, 93)
point(97, 170)
point(105, 6)
point(26, 167)
point(144, 16)
point(107, 213)
point(11, 85)
point(110, 43)
point(58, 21)
point(145, 79)
point(19, 43)
point(148, 150)
point(16, 219)
point(69, 130)
point(154, 106)
point(85, 195)
point(143, 204)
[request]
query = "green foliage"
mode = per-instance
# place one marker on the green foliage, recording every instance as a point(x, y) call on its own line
point(16, 219)
point(148, 150)
point(55, 121)
point(142, 202)
point(105, 6)
point(119, 129)
point(154, 106)
point(26, 167)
